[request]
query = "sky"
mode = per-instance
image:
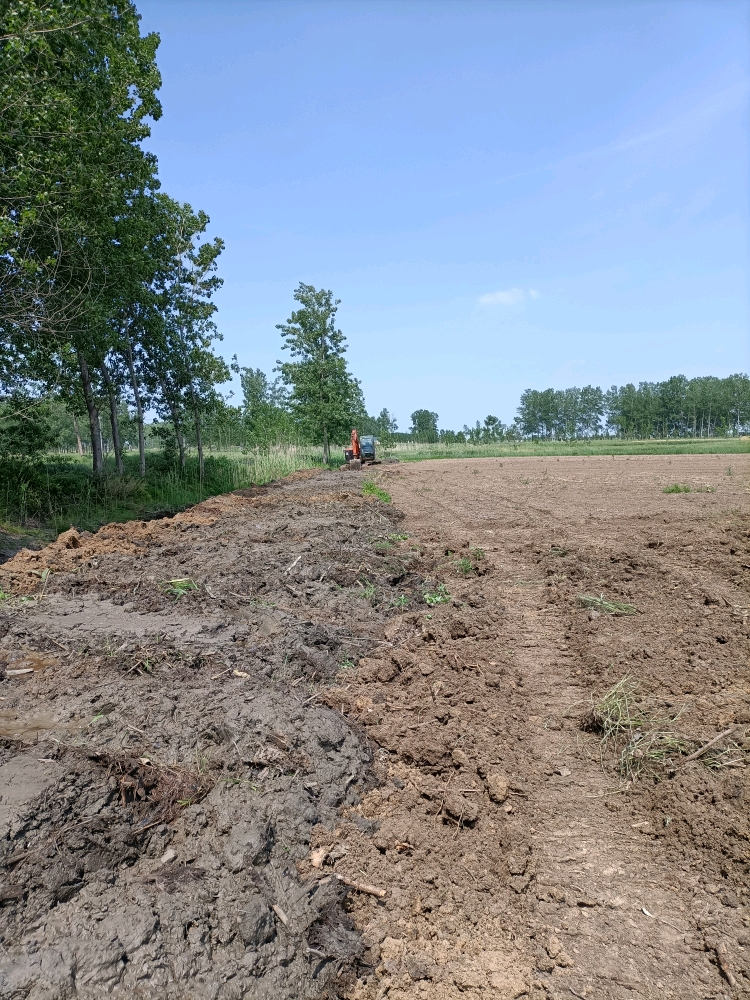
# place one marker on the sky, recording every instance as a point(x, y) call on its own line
point(503, 195)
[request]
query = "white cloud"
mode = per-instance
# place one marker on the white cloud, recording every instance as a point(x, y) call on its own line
point(506, 298)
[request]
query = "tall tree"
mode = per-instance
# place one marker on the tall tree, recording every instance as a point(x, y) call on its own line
point(325, 398)
point(424, 426)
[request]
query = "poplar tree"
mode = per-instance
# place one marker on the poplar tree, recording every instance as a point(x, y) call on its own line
point(325, 398)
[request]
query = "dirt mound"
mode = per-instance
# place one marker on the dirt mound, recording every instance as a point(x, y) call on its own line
point(181, 756)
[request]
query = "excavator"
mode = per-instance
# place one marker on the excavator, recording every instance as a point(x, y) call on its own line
point(360, 451)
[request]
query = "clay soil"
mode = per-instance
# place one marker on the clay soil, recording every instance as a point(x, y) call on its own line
point(297, 742)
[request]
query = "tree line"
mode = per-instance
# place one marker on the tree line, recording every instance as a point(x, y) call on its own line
point(677, 407)
point(106, 283)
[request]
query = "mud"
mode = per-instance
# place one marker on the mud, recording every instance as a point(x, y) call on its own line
point(357, 759)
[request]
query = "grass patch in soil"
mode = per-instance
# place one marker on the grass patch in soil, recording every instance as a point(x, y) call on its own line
point(439, 595)
point(371, 489)
point(646, 743)
point(677, 488)
point(607, 607)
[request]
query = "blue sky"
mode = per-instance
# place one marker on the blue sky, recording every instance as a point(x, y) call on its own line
point(503, 195)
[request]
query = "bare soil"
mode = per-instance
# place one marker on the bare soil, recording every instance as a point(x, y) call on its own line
point(359, 757)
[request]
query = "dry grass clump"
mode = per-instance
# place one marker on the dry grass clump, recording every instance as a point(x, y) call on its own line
point(645, 742)
point(600, 603)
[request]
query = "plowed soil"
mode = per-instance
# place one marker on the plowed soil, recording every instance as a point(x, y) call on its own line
point(297, 742)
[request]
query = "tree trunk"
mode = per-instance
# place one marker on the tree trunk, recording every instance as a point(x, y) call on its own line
point(116, 443)
point(326, 449)
point(138, 408)
point(78, 434)
point(198, 439)
point(97, 459)
point(178, 435)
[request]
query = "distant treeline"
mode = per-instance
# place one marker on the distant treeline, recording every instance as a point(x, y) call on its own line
point(678, 407)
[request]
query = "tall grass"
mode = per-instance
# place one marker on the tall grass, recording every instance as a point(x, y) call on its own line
point(412, 451)
point(58, 493)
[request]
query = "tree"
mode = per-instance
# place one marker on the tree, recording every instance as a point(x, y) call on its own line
point(325, 399)
point(424, 426)
point(77, 86)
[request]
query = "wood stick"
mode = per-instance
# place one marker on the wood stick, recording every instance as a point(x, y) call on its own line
point(721, 958)
point(371, 890)
point(706, 746)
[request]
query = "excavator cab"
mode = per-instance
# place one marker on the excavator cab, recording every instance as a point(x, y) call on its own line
point(367, 448)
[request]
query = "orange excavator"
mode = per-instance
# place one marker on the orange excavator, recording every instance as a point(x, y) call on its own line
point(361, 451)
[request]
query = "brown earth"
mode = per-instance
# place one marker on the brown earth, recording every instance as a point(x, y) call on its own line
point(300, 778)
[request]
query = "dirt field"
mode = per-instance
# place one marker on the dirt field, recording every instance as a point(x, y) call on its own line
point(362, 753)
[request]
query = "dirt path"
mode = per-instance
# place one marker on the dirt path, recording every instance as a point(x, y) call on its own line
point(347, 758)
point(615, 891)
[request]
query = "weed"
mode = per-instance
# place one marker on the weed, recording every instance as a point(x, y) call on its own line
point(400, 602)
point(465, 566)
point(644, 741)
point(439, 595)
point(608, 607)
point(179, 587)
point(730, 471)
point(398, 538)
point(477, 554)
point(382, 545)
point(370, 489)
point(4, 596)
point(676, 488)
point(368, 590)
point(202, 761)
point(557, 550)
point(708, 488)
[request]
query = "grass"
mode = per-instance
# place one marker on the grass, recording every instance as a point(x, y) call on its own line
point(45, 497)
point(412, 451)
point(677, 488)
point(178, 588)
point(645, 742)
point(608, 607)
point(439, 595)
point(370, 489)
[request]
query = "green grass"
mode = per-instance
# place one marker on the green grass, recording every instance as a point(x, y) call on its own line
point(371, 489)
point(49, 496)
point(410, 451)
point(178, 588)
point(677, 488)
point(439, 595)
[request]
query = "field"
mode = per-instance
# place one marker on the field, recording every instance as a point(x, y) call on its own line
point(414, 451)
point(488, 739)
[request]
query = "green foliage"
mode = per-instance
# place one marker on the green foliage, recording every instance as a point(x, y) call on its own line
point(179, 587)
point(424, 426)
point(62, 492)
point(678, 407)
point(373, 490)
point(25, 427)
point(324, 397)
point(439, 595)
point(676, 488)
